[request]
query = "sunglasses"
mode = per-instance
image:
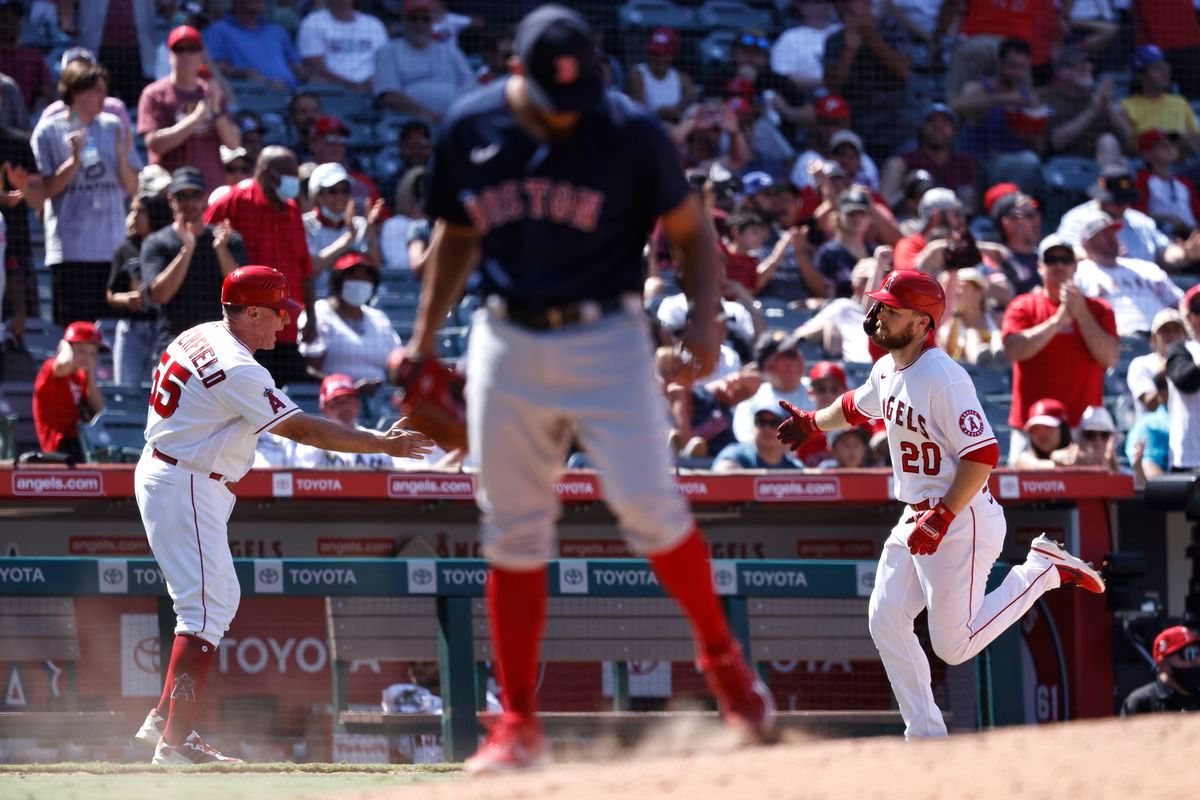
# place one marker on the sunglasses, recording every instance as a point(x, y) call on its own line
point(749, 40)
point(191, 48)
point(766, 422)
point(1191, 652)
point(1092, 436)
point(341, 188)
point(1059, 259)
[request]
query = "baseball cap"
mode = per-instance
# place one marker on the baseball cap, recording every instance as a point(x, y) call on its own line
point(326, 176)
point(231, 154)
point(743, 219)
point(353, 259)
point(153, 179)
point(971, 275)
point(1047, 411)
point(1097, 418)
point(996, 192)
point(755, 182)
point(939, 108)
point(1173, 640)
point(917, 182)
point(1166, 316)
point(1010, 203)
point(1095, 223)
point(1147, 55)
point(938, 198)
point(562, 69)
point(832, 107)
point(76, 54)
point(663, 41)
point(323, 126)
point(1191, 300)
point(853, 199)
point(186, 178)
point(765, 402)
point(1152, 137)
point(184, 34)
point(827, 369)
point(256, 285)
point(845, 137)
point(1115, 186)
point(85, 333)
point(773, 342)
point(1052, 241)
point(334, 386)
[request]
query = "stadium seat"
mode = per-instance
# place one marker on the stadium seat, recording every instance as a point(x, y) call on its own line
point(115, 436)
point(305, 395)
point(1067, 180)
point(16, 399)
point(648, 14)
point(715, 50)
point(41, 338)
point(733, 14)
point(126, 400)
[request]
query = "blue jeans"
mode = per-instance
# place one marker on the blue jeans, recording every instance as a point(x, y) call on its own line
point(134, 350)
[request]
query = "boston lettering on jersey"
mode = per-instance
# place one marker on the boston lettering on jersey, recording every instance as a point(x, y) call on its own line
point(534, 199)
point(203, 357)
point(902, 414)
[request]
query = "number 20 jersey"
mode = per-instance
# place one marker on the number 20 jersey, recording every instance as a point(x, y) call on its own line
point(210, 401)
point(933, 418)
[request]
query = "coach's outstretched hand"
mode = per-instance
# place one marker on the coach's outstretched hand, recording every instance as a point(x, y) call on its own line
point(929, 530)
point(797, 428)
point(404, 443)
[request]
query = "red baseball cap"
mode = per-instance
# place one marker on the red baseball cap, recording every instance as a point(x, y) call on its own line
point(996, 192)
point(1189, 299)
point(335, 386)
point(323, 126)
point(1173, 640)
point(827, 369)
point(353, 259)
point(184, 34)
point(833, 107)
point(85, 333)
point(1046, 411)
point(663, 41)
point(1152, 137)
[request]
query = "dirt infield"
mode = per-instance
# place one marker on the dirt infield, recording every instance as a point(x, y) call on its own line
point(1151, 757)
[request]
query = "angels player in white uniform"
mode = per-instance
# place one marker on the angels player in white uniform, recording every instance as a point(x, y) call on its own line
point(209, 403)
point(940, 553)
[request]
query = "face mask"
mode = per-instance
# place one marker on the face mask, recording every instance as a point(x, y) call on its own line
point(332, 217)
point(357, 293)
point(289, 187)
point(1188, 678)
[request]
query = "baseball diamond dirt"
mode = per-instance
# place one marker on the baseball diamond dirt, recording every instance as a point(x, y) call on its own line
point(1153, 756)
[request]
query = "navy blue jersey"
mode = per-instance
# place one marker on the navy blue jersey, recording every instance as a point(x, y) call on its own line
point(560, 222)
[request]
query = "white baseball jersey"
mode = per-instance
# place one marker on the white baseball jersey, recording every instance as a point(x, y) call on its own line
point(1184, 439)
point(210, 401)
point(933, 418)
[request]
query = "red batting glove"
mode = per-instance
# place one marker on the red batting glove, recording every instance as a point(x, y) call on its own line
point(798, 427)
point(930, 528)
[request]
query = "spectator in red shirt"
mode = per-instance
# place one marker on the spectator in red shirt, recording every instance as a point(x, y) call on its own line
point(25, 65)
point(184, 118)
point(1059, 342)
point(327, 141)
point(934, 153)
point(1171, 201)
point(940, 211)
point(266, 215)
point(66, 392)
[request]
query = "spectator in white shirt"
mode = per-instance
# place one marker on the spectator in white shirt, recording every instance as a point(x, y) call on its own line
point(332, 229)
point(1183, 391)
point(657, 83)
point(833, 116)
point(1136, 289)
point(799, 53)
point(394, 237)
point(1167, 328)
point(338, 45)
point(1171, 201)
point(416, 74)
point(340, 402)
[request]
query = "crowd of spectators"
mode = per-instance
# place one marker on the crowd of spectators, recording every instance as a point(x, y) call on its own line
point(845, 139)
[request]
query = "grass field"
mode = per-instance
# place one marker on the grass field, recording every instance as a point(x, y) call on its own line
point(251, 782)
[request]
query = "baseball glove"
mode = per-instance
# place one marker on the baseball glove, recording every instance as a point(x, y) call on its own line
point(433, 398)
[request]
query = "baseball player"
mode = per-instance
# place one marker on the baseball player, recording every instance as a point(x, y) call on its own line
point(940, 553)
point(552, 185)
point(209, 402)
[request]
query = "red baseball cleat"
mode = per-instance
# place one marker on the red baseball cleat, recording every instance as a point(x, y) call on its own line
point(515, 742)
point(745, 703)
point(1073, 571)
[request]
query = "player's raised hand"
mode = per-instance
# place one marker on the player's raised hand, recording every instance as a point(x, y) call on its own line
point(929, 529)
point(797, 428)
point(401, 442)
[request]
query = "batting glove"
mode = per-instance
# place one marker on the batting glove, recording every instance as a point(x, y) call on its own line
point(930, 528)
point(799, 425)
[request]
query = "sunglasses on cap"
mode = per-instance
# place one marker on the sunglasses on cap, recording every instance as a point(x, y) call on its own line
point(750, 40)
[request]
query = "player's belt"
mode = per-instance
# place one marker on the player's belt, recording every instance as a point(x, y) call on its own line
point(926, 505)
point(550, 319)
point(161, 456)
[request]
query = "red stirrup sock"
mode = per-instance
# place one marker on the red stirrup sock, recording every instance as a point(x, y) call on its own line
point(191, 658)
point(516, 603)
point(685, 573)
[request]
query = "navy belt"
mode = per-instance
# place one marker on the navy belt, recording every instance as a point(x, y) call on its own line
point(556, 317)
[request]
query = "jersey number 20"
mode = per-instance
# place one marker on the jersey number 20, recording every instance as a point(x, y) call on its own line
point(927, 458)
point(169, 379)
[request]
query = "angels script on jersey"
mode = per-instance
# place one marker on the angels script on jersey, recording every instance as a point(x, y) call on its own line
point(903, 414)
point(534, 199)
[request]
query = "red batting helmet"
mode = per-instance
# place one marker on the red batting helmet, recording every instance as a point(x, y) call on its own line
point(908, 288)
point(1173, 640)
point(258, 286)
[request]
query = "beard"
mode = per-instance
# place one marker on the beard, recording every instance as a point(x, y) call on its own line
point(896, 341)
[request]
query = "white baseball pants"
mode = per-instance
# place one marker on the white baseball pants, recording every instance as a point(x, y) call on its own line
point(528, 393)
point(186, 517)
point(950, 583)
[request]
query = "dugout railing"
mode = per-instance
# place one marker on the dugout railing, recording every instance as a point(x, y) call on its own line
point(455, 584)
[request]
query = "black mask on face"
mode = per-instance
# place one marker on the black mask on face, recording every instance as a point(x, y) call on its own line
point(1188, 678)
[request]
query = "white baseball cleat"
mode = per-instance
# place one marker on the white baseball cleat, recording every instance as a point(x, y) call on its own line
point(152, 729)
point(515, 743)
point(194, 750)
point(1073, 571)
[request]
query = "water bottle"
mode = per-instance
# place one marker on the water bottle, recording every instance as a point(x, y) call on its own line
point(89, 155)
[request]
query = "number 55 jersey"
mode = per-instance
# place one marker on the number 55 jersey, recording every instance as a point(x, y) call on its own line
point(210, 400)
